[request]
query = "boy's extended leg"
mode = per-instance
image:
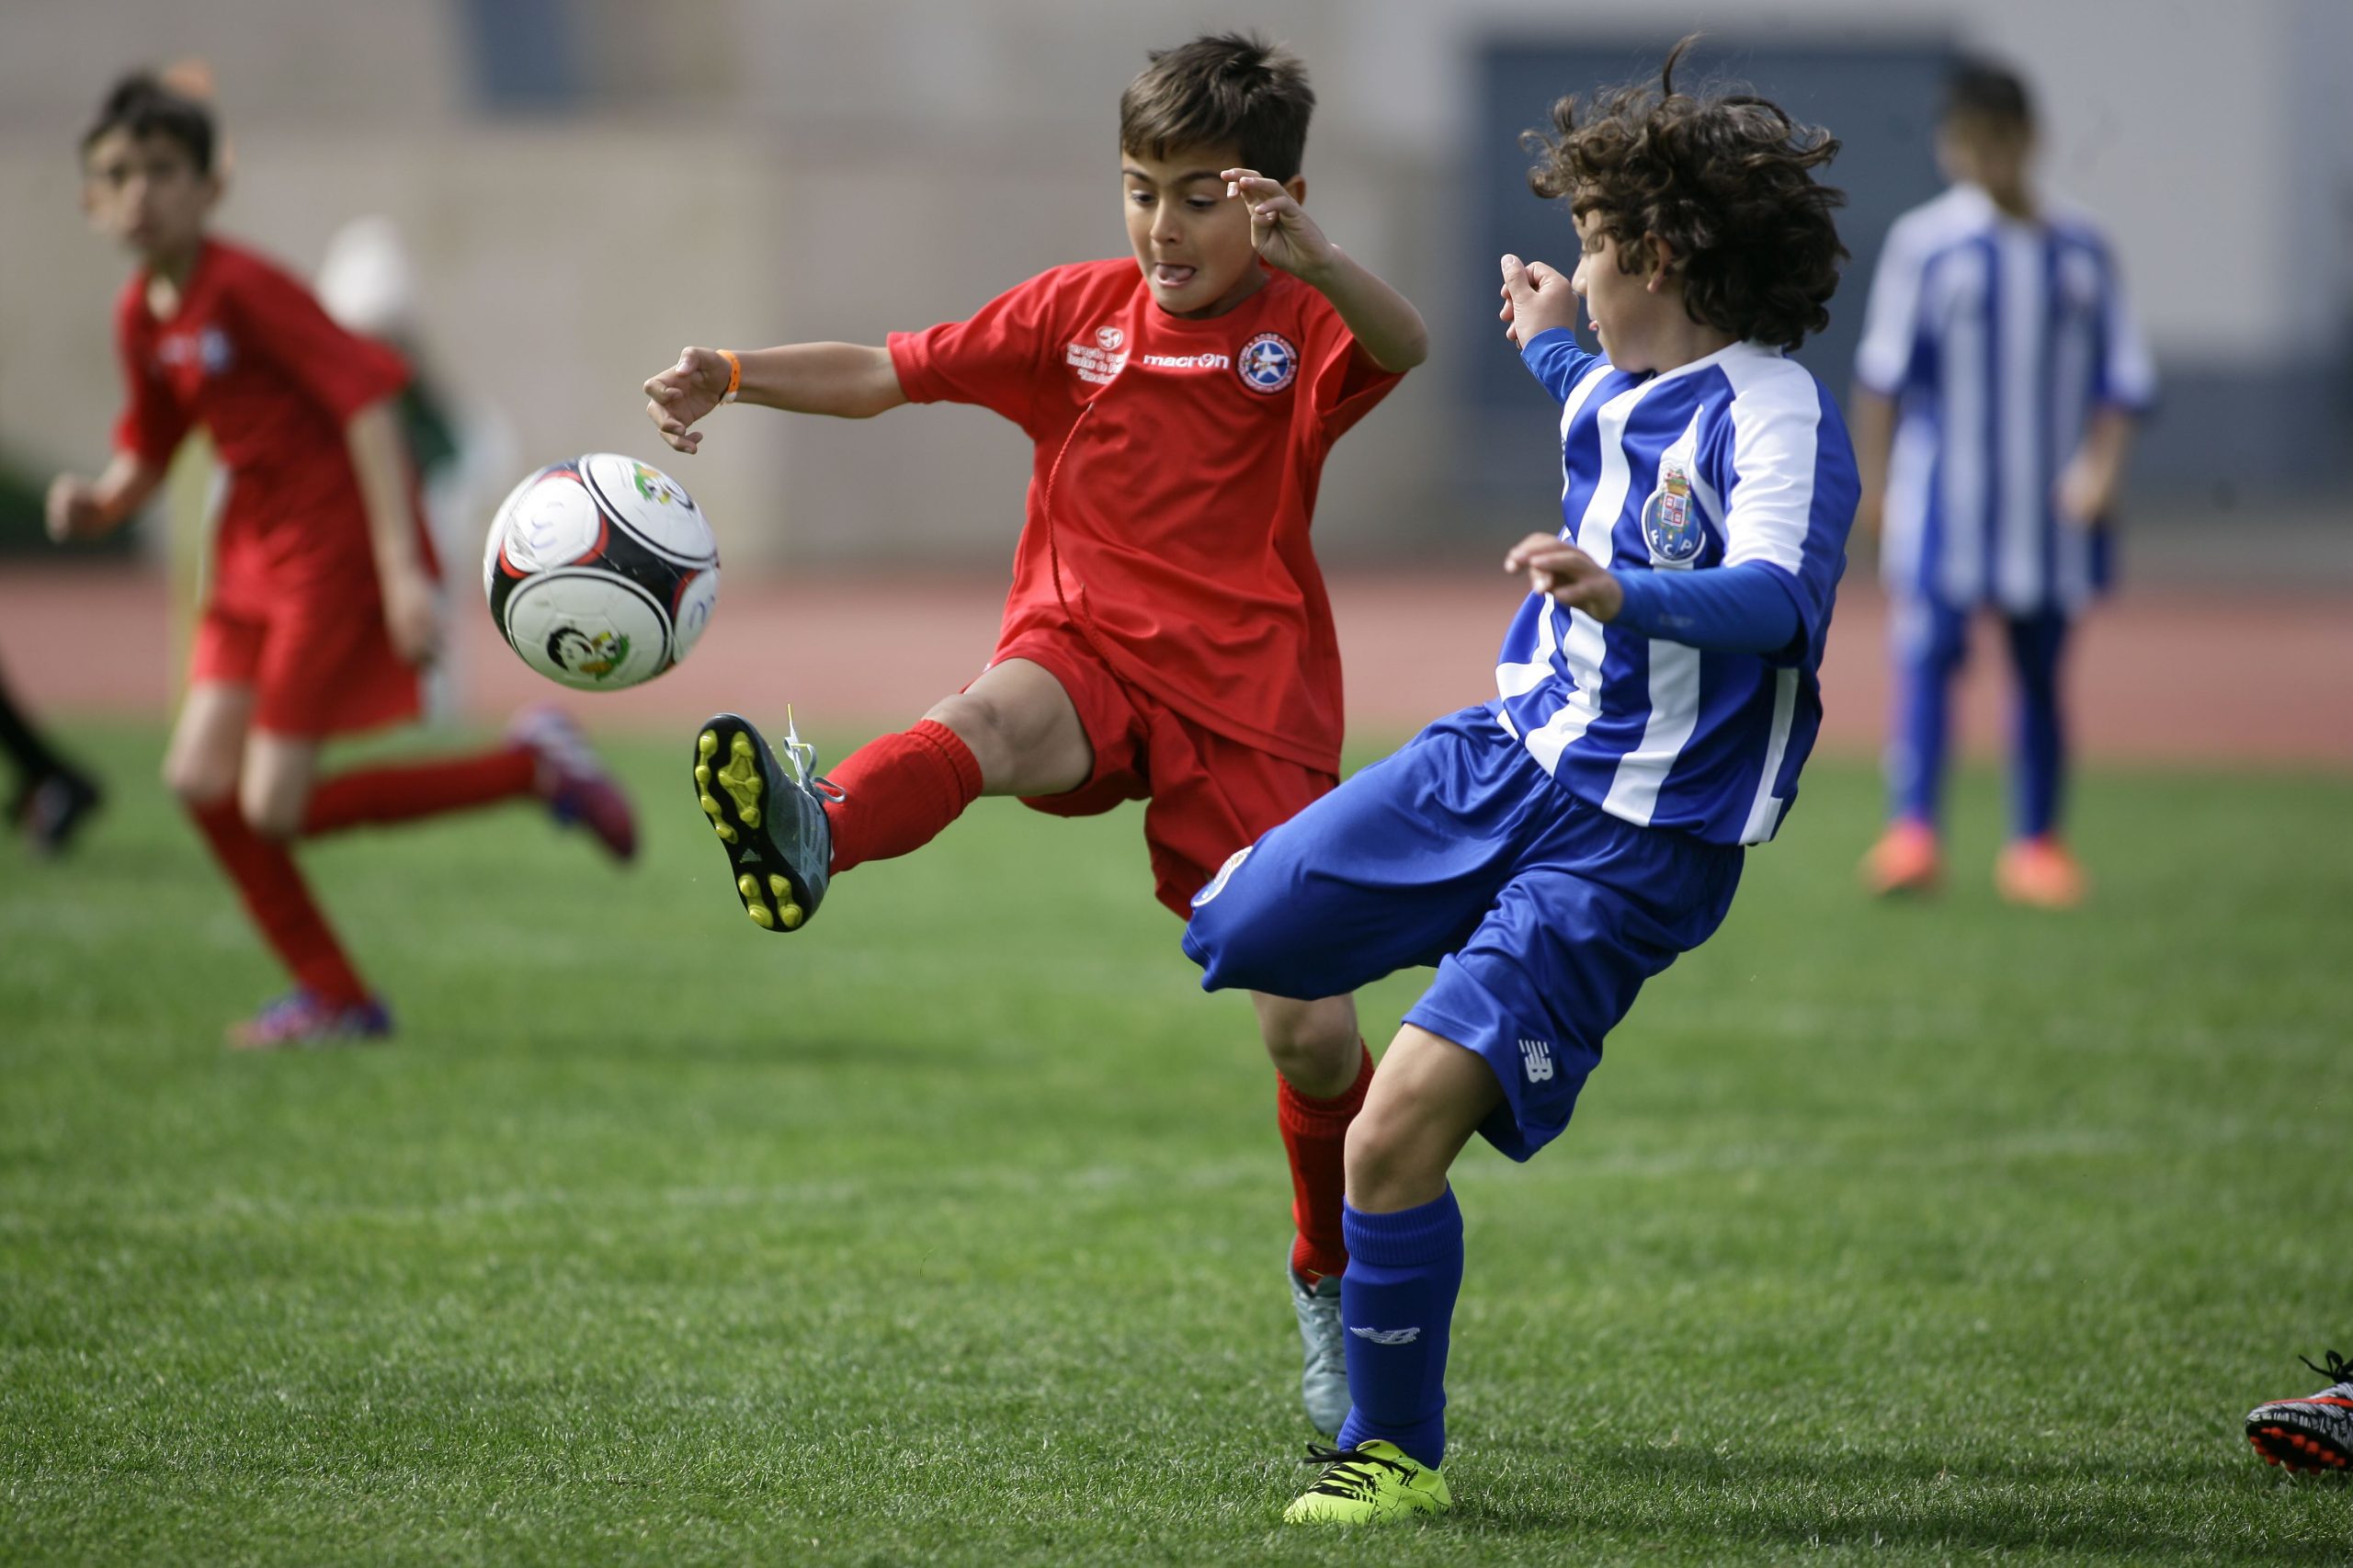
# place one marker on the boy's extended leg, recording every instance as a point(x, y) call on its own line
point(1012, 732)
point(1322, 1071)
point(1404, 1270)
point(545, 755)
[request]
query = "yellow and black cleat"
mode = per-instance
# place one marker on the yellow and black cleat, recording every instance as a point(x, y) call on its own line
point(770, 815)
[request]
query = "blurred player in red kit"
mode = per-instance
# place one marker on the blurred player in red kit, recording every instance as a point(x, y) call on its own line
point(320, 603)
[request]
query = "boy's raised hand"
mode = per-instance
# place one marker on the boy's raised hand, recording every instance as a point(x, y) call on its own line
point(1280, 227)
point(1555, 566)
point(1536, 299)
point(685, 393)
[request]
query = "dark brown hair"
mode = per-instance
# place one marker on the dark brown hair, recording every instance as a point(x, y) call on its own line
point(1983, 93)
point(144, 107)
point(1724, 178)
point(1225, 89)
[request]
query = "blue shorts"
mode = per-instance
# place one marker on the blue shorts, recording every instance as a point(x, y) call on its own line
point(1542, 915)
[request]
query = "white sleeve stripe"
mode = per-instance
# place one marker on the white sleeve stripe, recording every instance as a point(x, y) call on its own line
point(1892, 314)
point(1776, 421)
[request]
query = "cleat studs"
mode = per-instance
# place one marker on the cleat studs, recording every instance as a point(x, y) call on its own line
point(751, 815)
point(702, 776)
point(791, 917)
point(780, 888)
point(706, 743)
point(760, 915)
point(710, 807)
point(749, 886)
point(724, 831)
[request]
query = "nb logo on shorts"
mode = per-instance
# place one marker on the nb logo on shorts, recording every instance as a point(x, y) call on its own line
point(1536, 1055)
point(1225, 872)
point(1388, 1335)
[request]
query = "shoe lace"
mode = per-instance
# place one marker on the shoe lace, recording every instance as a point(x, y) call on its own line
point(1348, 1472)
point(802, 757)
point(2339, 1370)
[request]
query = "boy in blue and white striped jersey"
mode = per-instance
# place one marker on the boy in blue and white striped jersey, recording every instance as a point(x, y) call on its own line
point(1997, 388)
point(1551, 849)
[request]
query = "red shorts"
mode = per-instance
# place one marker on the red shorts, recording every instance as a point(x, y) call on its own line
point(315, 670)
point(1206, 794)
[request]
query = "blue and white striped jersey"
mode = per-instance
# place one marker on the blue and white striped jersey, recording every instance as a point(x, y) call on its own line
point(1999, 337)
point(1736, 457)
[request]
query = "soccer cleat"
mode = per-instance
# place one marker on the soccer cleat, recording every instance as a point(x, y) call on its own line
point(54, 809)
point(1323, 1385)
point(1371, 1482)
point(1905, 861)
point(770, 815)
point(2312, 1433)
point(2040, 874)
point(300, 1021)
point(573, 781)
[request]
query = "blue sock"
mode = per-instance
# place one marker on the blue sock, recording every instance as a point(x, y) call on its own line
point(1397, 1299)
point(2036, 642)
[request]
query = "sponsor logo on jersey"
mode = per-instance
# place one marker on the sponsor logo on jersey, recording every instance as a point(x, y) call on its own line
point(209, 350)
point(1536, 1055)
point(1670, 525)
point(1388, 1335)
point(595, 654)
point(1097, 362)
point(1187, 361)
point(1267, 363)
point(1217, 883)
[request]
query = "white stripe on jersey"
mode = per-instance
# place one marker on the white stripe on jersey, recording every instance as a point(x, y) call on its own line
point(1764, 815)
point(1965, 420)
point(1585, 646)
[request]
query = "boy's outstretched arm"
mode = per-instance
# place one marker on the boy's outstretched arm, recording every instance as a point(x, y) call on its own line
point(847, 381)
point(1382, 321)
point(83, 509)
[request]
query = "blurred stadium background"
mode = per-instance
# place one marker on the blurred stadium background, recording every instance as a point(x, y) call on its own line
point(581, 185)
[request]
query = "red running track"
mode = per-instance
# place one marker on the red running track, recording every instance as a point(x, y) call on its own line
point(2161, 676)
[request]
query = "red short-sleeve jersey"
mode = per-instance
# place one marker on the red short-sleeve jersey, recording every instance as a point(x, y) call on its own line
point(1172, 484)
point(251, 355)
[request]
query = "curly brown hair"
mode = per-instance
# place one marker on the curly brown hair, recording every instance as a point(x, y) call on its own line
point(1724, 178)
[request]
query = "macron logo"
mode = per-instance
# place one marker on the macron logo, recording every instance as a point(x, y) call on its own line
point(1537, 1056)
point(1388, 1335)
point(1187, 361)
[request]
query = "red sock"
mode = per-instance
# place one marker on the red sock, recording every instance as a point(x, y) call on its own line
point(898, 791)
point(1315, 1134)
point(404, 792)
point(280, 902)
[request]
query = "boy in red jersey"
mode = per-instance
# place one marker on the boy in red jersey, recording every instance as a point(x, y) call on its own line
point(321, 603)
point(1168, 638)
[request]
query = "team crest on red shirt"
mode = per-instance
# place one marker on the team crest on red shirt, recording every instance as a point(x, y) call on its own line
point(1110, 338)
point(1267, 363)
point(207, 349)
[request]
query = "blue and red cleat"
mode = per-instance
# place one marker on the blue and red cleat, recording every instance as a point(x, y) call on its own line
point(2312, 1433)
point(573, 781)
point(301, 1021)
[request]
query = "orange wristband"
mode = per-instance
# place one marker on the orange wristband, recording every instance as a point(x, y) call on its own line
point(734, 374)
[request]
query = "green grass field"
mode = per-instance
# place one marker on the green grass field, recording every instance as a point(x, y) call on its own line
point(949, 1230)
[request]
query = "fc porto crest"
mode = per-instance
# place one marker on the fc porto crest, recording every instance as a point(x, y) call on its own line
point(1670, 526)
point(1267, 363)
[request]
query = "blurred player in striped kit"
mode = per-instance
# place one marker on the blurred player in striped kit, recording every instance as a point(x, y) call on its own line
point(1998, 383)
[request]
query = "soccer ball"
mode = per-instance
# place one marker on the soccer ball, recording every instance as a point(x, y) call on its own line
point(601, 571)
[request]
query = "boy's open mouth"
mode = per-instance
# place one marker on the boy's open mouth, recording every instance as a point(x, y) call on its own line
point(1171, 275)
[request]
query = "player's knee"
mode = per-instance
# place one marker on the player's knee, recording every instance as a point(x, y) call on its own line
point(196, 784)
point(983, 725)
point(1312, 1045)
point(1390, 1161)
point(274, 814)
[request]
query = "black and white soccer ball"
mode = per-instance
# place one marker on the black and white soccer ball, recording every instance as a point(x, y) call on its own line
point(601, 571)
